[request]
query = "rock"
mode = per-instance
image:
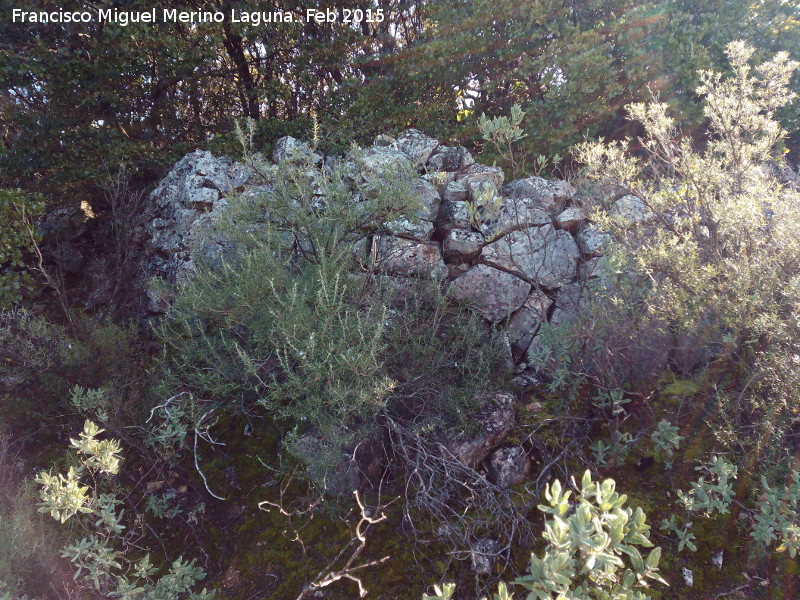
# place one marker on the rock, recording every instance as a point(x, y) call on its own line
point(513, 214)
point(493, 293)
point(383, 140)
point(382, 161)
point(549, 194)
point(569, 300)
point(524, 323)
point(462, 246)
point(202, 199)
point(508, 466)
point(597, 266)
point(591, 240)
point(419, 230)
point(408, 258)
point(605, 194)
point(477, 171)
point(688, 576)
point(496, 419)
point(417, 146)
point(439, 179)
point(482, 192)
point(290, 149)
point(484, 554)
point(455, 192)
point(69, 258)
point(631, 210)
point(570, 218)
point(65, 224)
point(540, 255)
point(427, 198)
point(453, 215)
point(158, 299)
point(450, 159)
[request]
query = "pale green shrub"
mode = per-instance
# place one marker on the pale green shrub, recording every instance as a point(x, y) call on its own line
point(102, 556)
point(592, 549)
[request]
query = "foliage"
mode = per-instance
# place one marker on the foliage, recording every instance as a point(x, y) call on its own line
point(715, 494)
point(502, 132)
point(776, 516)
point(102, 557)
point(293, 319)
point(666, 441)
point(704, 261)
point(588, 541)
point(18, 211)
point(685, 537)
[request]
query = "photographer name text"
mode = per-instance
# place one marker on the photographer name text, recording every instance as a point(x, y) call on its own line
point(124, 18)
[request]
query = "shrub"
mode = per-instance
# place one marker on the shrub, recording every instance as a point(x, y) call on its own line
point(17, 214)
point(291, 319)
point(102, 557)
point(591, 550)
point(704, 257)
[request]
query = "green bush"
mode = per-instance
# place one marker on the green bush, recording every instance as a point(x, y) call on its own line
point(17, 214)
point(705, 256)
point(591, 550)
point(290, 318)
point(103, 556)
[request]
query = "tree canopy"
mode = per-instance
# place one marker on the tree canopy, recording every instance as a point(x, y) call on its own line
point(78, 99)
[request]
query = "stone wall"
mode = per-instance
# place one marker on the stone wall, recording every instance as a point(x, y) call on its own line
point(519, 258)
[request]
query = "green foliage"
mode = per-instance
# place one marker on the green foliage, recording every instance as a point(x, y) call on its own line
point(777, 515)
point(502, 133)
point(666, 441)
point(18, 211)
point(715, 494)
point(685, 537)
point(706, 262)
point(591, 550)
point(291, 319)
point(101, 558)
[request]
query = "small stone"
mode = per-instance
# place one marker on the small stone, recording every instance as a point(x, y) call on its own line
point(688, 576)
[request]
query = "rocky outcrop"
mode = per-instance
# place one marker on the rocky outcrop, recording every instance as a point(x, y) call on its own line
point(514, 251)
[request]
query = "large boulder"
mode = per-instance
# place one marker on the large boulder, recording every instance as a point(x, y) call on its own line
point(494, 294)
point(631, 210)
point(290, 149)
point(453, 215)
point(381, 162)
point(524, 323)
point(591, 240)
point(478, 171)
point(541, 255)
point(450, 159)
point(513, 214)
point(461, 246)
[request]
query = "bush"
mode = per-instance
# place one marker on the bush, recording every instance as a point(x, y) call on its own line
point(591, 550)
point(703, 257)
point(17, 214)
point(290, 318)
point(102, 557)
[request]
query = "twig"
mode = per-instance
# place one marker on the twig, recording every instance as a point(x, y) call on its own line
point(346, 572)
point(196, 463)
